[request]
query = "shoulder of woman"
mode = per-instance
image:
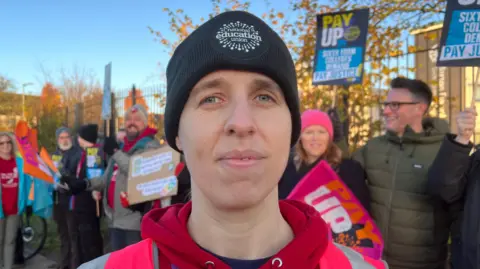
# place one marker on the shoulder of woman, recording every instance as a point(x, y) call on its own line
point(350, 163)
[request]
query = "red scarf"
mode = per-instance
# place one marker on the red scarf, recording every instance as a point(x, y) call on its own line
point(128, 145)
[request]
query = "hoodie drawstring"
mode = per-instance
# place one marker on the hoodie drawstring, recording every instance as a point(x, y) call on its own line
point(277, 263)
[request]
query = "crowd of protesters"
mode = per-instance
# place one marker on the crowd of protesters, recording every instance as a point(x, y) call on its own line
point(235, 118)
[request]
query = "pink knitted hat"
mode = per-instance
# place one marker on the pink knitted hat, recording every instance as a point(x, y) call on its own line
point(315, 117)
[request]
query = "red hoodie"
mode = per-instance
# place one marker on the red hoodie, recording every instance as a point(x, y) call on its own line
point(168, 228)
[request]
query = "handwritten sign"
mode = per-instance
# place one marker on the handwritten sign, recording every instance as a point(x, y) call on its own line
point(350, 223)
point(152, 175)
point(460, 41)
point(340, 49)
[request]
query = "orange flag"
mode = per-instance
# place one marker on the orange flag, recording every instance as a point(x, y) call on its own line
point(33, 139)
point(48, 161)
point(32, 164)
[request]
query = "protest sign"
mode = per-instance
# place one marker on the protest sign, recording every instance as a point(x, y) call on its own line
point(460, 41)
point(152, 175)
point(107, 94)
point(340, 47)
point(94, 163)
point(350, 223)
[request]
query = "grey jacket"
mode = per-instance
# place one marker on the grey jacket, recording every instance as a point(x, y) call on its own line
point(120, 217)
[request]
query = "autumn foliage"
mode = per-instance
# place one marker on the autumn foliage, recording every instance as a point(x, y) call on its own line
point(50, 97)
point(139, 99)
point(389, 26)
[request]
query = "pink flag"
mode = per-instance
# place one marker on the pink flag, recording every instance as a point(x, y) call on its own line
point(32, 164)
point(350, 223)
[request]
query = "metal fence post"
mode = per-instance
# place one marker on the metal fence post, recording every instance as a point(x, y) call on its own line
point(66, 117)
point(78, 115)
point(134, 95)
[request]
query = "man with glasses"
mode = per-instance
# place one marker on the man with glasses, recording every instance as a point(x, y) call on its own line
point(415, 225)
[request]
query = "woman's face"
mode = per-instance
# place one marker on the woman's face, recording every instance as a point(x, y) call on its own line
point(6, 145)
point(235, 133)
point(315, 141)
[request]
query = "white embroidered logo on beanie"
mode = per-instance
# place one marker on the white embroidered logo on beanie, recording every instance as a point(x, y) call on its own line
point(238, 36)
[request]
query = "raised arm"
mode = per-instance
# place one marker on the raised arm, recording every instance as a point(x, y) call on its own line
point(448, 175)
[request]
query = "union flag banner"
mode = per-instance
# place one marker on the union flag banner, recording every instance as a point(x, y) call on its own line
point(350, 223)
point(33, 165)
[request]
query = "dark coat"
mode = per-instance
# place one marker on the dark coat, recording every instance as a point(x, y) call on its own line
point(67, 166)
point(454, 177)
point(350, 171)
point(83, 202)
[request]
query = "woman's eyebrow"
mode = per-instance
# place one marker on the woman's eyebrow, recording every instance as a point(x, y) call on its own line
point(213, 83)
point(266, 84)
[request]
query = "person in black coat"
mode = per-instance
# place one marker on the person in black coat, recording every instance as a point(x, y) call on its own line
point(454, 177)
point(66, 158)
point(82, 204)
point(317, 144)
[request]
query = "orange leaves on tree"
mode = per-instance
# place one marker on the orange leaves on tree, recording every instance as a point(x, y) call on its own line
point(412, 49)
point(50, 97)
point(386, 71)
point(139, 99)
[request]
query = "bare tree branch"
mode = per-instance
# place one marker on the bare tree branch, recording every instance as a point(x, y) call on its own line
point(5, 84)
point(77, 83)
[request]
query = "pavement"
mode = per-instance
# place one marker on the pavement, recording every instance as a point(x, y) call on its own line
point(39, 262)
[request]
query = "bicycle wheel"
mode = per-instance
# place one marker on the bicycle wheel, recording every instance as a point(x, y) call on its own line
point(34, 235)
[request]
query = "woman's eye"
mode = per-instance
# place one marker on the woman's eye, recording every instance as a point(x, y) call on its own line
point(210, 100)
point(264, 98)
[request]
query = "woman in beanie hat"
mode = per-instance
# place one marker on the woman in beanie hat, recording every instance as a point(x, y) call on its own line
point(316, 144)
point(233, 110)
point(90, 242)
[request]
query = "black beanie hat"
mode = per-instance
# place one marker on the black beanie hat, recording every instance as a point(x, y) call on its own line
point(233, 40)
point(89, 133)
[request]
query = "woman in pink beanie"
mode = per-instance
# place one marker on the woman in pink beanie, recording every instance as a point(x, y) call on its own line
point(316, 144)
point(316, 139)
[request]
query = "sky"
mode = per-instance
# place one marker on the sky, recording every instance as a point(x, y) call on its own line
point(52, 34)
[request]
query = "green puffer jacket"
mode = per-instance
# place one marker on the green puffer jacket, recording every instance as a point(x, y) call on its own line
point(415, 225)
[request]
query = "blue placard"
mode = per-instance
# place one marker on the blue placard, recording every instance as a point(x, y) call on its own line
point(94, 163)
point(340, 48)
point(460, 41)
point(94, 172)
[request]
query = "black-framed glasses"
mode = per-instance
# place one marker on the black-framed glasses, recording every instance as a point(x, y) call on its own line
point(6, 143)
point(394, 106)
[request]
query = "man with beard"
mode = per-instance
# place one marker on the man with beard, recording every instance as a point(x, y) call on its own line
point(65, 158)
point(124, 220)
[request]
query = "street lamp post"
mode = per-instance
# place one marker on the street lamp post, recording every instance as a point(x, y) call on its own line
point(23, 98)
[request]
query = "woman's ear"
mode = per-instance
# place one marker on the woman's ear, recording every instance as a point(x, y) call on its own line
point(178, 144)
